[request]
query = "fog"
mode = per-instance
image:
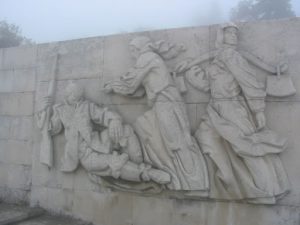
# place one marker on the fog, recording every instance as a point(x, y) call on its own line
point(55, 20)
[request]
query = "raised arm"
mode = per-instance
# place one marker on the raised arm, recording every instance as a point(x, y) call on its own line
point(130, 83)
point(55, 125)
point(51, 114)
point(259, 62)
point(187, 64)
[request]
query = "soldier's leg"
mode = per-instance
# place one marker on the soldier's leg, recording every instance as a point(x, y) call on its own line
point(142, 172)
point(95, 162)
point(119, 166)
point(130, 145)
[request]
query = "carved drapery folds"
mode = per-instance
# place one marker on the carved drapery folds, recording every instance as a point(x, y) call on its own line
point(231, 156)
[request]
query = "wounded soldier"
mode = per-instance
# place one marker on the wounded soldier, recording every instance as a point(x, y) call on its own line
point(114, 151)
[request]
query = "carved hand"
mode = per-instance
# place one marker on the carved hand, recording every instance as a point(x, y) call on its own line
point(284, 67)
point(115, 130)
point(197, 71)
point(107, 88)
point(261, 120)
point(46, 102)
point(182, 66)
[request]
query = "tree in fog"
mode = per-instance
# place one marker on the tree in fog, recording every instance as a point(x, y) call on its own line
point(10, 35)
point(247, 10)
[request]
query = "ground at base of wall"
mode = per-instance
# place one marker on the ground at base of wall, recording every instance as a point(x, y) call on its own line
point(23, 215)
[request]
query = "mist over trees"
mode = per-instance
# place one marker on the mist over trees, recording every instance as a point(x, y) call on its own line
point(10, 35)
point(249, 10)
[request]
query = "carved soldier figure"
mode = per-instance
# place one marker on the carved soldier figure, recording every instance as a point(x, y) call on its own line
point(164, 130)
point(113, 152)
point(242, 153)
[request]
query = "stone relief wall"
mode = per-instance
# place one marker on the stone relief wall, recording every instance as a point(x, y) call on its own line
point(109, 178)
point(17, 91)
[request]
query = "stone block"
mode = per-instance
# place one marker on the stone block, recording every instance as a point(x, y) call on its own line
point(87, 205)
point(3, 174)
point(59, 200)
point(19, 177)
point(78, 59)
point(5, 122)
point(223, 213)
point(38, 196)
point(283, 117)
point(104, 209)
point(82, 182)
point(150, 210)
point(17, 80)
point(1, 57)
point(16, 104)
point(15, 176)
point(55, 200)
point(21, 128)
point(16, 127)
point(117, 59)
point(19, 57)
point(14, 195)
point(42, 176)
point(15, 152)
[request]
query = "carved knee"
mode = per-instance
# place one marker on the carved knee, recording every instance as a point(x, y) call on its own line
point(131, 145)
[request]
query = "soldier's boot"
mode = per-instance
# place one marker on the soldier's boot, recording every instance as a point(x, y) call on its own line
point(155, 175)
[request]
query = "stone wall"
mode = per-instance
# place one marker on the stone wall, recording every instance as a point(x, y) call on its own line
point(24, 77)
point(17, 91)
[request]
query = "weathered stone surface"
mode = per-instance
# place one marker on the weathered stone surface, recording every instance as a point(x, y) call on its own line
point(14, 195)
point(15, 176)
point(17, 80)
point(23, 215)
point(16, 104)
point(78, 59)
point(53, 220)
point(93, 62)
point(12, 214)
point(5, 127)
point(21, 128)
point(16, 127)
point(19, 57)
point(16, 152)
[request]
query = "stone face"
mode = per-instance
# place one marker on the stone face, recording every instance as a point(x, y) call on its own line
point(26, 74)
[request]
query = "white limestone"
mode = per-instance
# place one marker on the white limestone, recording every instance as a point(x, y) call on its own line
point(92, 63)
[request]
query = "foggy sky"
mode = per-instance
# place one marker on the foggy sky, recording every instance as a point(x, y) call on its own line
point(56, 20)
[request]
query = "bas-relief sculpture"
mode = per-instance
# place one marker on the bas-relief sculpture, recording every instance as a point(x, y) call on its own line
point(164, 130)
point(235, 157)
point(112, 151)
point(241, 152)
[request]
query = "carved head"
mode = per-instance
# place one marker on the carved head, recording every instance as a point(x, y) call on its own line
point(230, 35)
point(73, 93)
point(139, 45)
point(227, 35)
